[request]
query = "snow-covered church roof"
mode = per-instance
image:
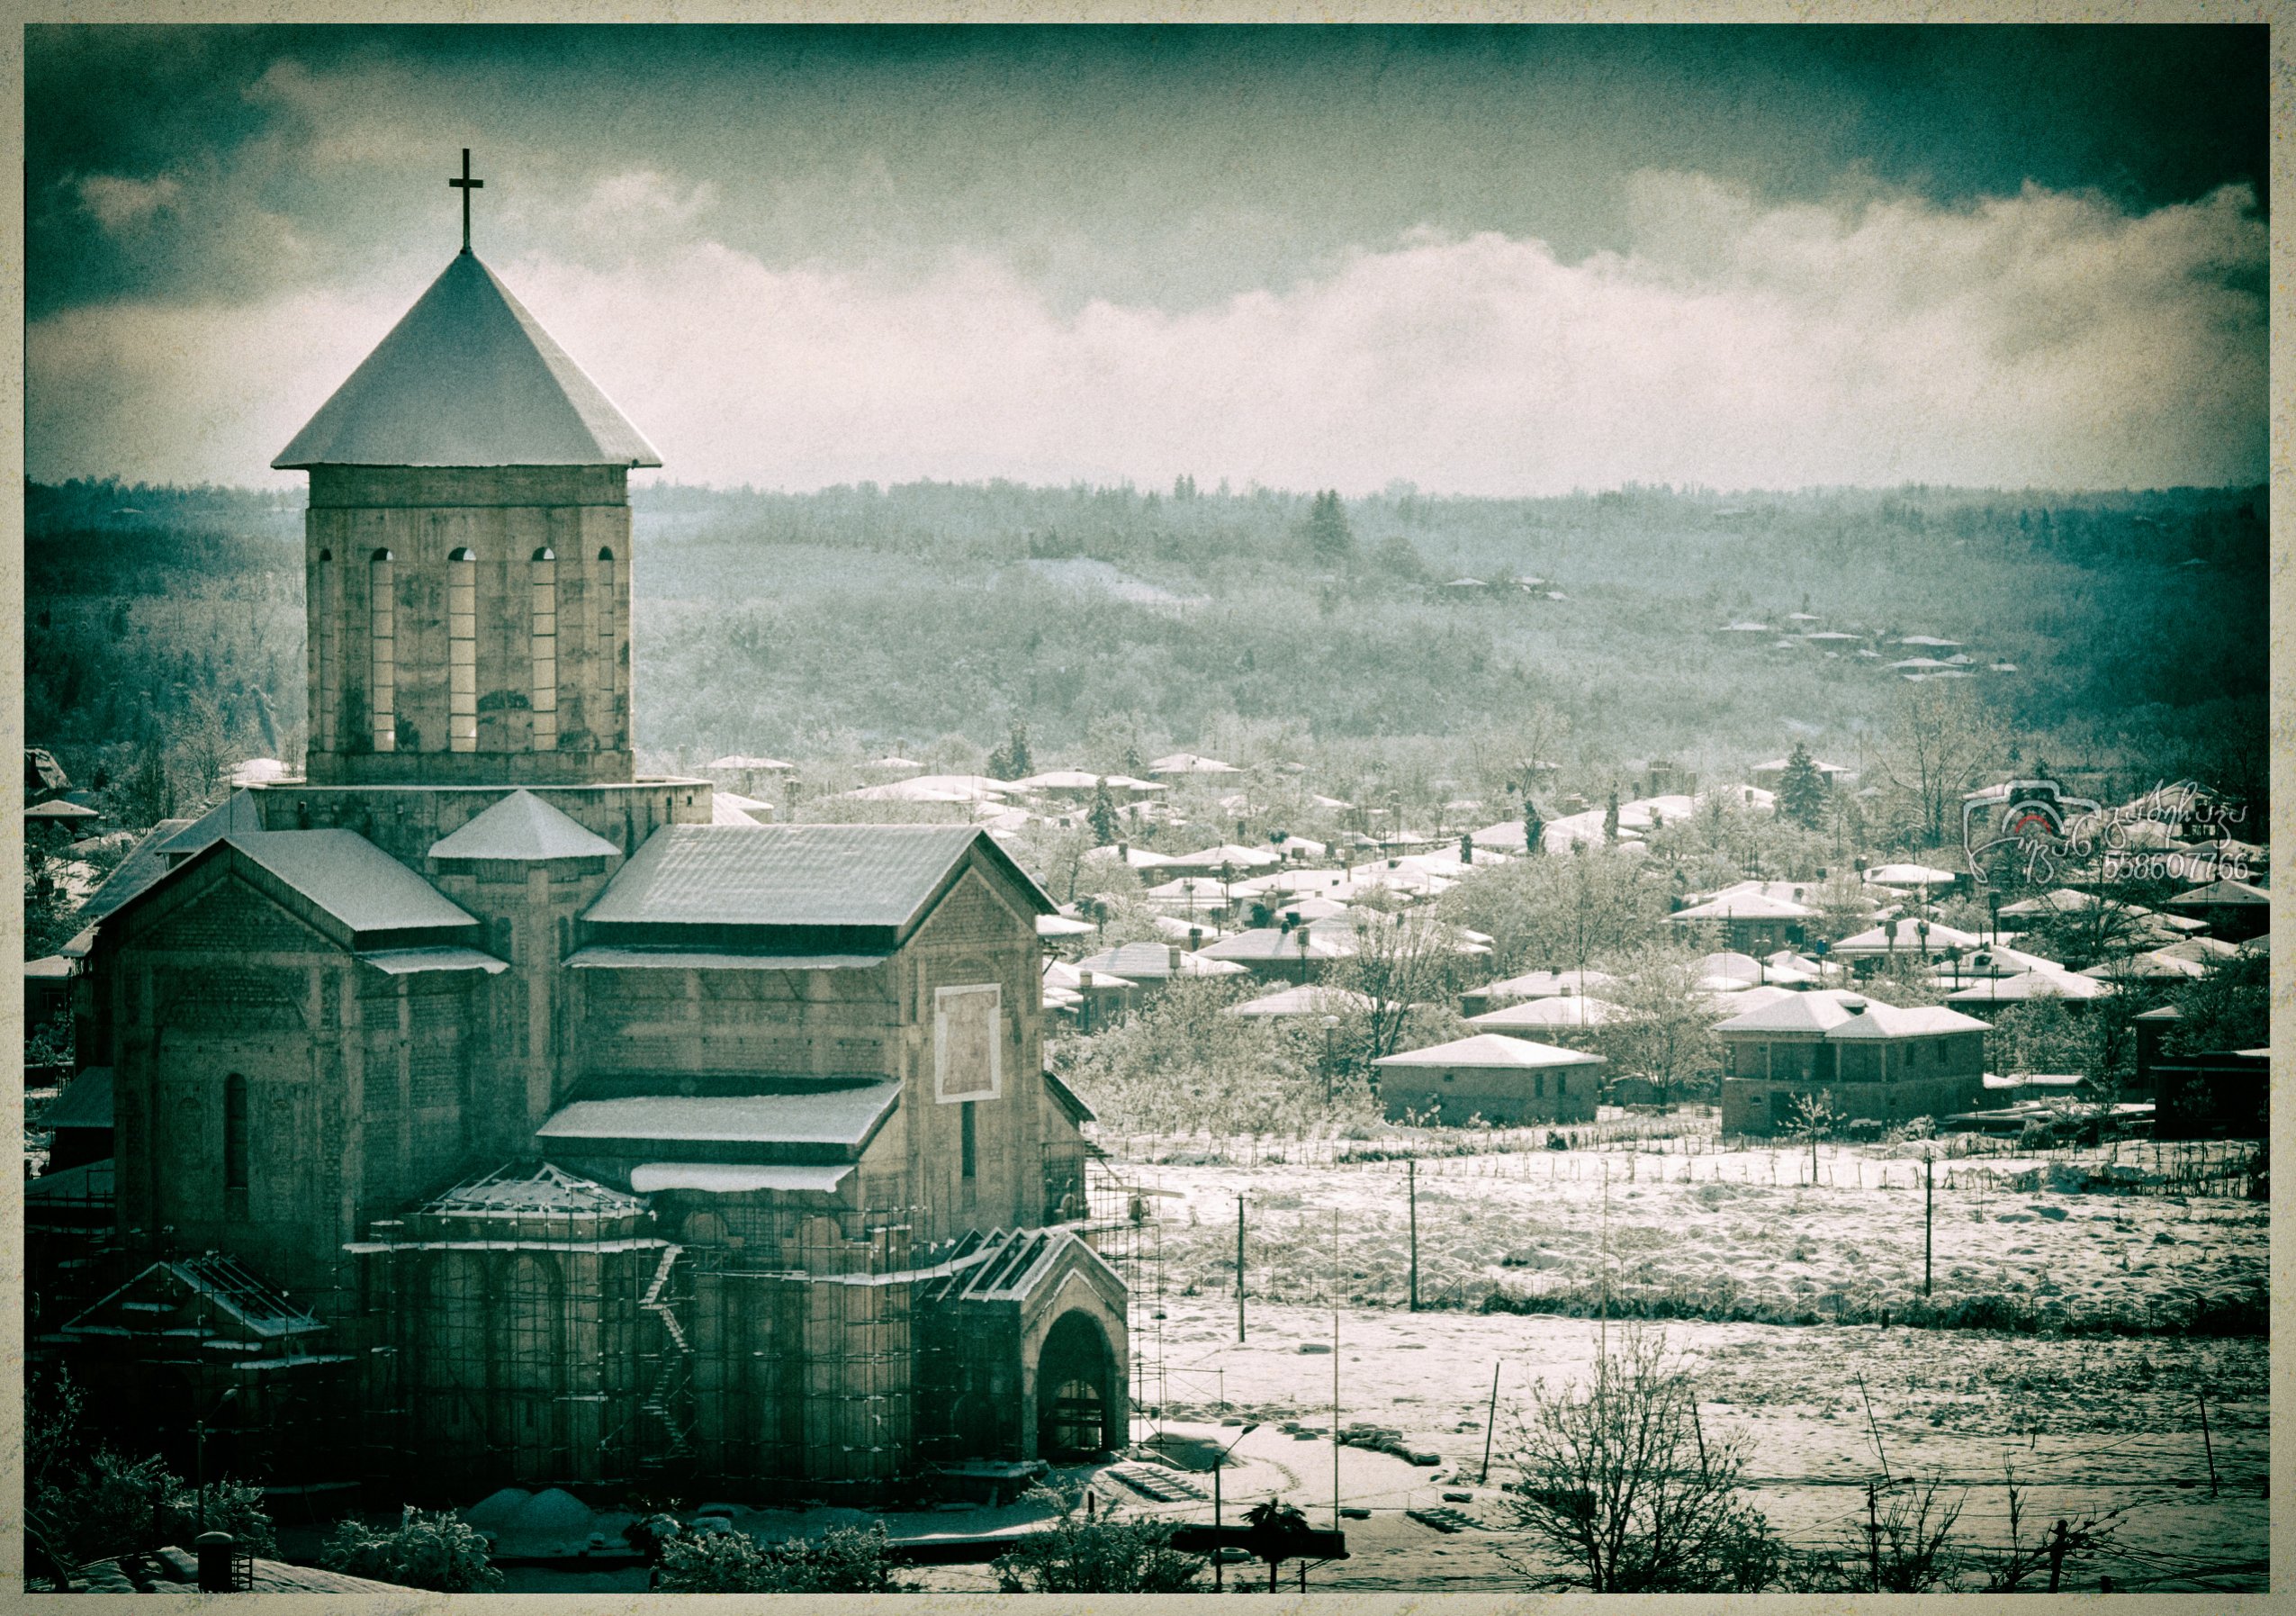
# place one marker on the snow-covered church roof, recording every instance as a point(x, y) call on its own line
point(468, 377)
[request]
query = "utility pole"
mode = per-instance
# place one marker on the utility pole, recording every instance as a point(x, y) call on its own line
point(1335, 1369)
point(1239, 1269)
point(1929, 1213)
point(1411, 1178)
point(1490, 1423)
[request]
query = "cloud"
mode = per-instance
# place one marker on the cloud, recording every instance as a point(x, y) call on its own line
point(120, 203)
point(2045, 338)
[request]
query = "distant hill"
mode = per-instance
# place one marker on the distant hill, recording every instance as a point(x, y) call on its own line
point(807, 623)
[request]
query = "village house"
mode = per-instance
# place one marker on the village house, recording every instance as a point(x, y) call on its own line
point(1867, 1059)
point(486, 1114)
point(1502, 1080)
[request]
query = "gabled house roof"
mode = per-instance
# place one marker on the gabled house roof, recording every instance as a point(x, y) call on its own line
point(1154, 962)
point(467, 377)
point(522, 828)
point(798, 875)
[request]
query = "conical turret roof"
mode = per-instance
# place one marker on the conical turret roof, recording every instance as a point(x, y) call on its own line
point(468, 377)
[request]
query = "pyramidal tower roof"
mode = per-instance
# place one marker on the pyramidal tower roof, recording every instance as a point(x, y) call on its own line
point(468, 377)
point(522, 828)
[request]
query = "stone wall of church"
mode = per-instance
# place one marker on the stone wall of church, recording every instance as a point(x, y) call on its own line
point(639, 1023)
point(985, 1172)
point(273, 1093)
point(548, 659)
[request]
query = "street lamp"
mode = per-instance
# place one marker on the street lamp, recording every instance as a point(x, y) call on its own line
point(1219, 1460)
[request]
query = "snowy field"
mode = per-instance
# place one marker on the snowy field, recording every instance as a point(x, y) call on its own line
point(1741, 1233)
point(1769, 1259)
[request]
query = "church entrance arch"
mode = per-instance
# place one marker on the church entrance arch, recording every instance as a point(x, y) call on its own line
point(1073, 1388)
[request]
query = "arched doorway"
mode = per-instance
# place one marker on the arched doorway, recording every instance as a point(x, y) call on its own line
point(1073, 1390)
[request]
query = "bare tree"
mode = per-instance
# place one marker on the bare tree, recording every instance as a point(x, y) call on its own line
point(1622, 1481)
point(1938, 745)
point(1665, 1032)
point(1400, 963)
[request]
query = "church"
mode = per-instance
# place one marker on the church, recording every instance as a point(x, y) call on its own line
point(484, 1113)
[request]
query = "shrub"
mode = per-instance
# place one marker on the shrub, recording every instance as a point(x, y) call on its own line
point(845, 1560)
point(439, 1551)
point(1108, 1554)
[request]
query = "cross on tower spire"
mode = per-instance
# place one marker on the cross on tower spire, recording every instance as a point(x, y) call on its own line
point(467, 184)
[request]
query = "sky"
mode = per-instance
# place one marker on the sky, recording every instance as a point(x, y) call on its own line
point(1479, 261)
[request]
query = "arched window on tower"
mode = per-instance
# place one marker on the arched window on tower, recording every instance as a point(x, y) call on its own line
point(606, 606)
point(382, 678)
point(234, 1131)
point(461, 651)
point(331, 648)
point(545, 650)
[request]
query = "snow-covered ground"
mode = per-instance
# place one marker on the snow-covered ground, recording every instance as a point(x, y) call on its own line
point(1745, 1229)
point(2086, 1422)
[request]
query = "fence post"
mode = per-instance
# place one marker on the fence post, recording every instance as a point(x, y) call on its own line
point(2208, 1444)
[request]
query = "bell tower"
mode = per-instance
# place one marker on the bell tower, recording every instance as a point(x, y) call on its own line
point(467, 553)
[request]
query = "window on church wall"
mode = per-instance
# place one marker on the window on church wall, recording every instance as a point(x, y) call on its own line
point(967, 1052)
point(381, 687)
point(545, 650)
point(234, 1131)
point(461, 651)
point(608, 603)
point(330, 647)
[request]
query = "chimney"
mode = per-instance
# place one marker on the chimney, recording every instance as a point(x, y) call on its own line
point(1174, 958)
point(214, 1549)
point(1195, 938)
point(1124, 851)
point(1083, 981)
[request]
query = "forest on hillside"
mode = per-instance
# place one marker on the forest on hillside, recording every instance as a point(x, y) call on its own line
point(2122, 634)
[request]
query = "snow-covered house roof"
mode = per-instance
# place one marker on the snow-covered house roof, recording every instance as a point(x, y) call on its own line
point(467, 377)
point(1190, 762)
point(348, 876)
point(1267, 943)
point(1570, 1011)
point(1310, 1000)
point(1744, 906)
point(1491, 1050)
point(1154, 962)
point(1836, 1015)
point(1546, 984)
point(522, 828)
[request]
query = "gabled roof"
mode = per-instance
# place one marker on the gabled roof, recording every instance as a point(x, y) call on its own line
point(138, 870)
point(795, 875)
point(236, 812)
point(467, 377)
point(1546, 984)
point(86, 1101)
point(1490, 1049)
point(522, 828)
point(840, 1120)
point(200, 1284)
point(1312, 999)
point(351, 878)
